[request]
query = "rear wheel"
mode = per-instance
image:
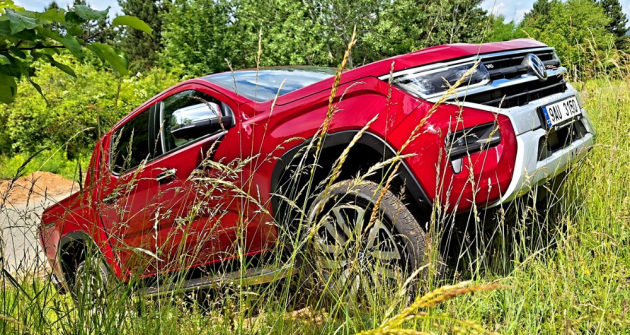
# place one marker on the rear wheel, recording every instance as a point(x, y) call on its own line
point(354, 255)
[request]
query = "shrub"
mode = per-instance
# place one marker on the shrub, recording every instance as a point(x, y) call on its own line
point(77, 111)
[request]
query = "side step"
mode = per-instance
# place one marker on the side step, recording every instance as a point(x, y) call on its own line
point(249, 277)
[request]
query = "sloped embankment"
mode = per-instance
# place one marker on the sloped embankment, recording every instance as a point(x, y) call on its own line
point(34, 186)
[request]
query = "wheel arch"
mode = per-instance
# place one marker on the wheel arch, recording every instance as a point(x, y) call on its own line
point(367, 151)
point(71, 251)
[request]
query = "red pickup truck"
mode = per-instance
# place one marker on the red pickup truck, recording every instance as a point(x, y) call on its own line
point(224, 167)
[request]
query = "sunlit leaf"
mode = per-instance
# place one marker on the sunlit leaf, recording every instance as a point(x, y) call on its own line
point(68, 41)
point(88, 13)
point(73, 18)
point(8, 88)
point(133, 22)
point(4, 60)
point(19, 22)
point(53, 14)
point(9, 4)
point(64, 68)
point(37, 88)
point(114, 57)
point(75, 30)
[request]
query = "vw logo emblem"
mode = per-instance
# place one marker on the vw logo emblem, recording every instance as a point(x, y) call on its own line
point(536, 66)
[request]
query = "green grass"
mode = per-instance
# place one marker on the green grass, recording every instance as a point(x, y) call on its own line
point(580, 283)
point(569, 272)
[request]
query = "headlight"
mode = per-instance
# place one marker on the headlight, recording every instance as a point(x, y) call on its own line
point(433, 82)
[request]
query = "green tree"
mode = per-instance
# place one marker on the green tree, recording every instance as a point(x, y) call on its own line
point(579, 33)
point(52, 5)
point(55, 26)
point(618, 21)
point(539, 16)
point(310, 32)
point(96, 29)
point(293, 33)
point(78, 110)
point(503, 31)
point(406, 25)
point(198, 35)
point(141, 48)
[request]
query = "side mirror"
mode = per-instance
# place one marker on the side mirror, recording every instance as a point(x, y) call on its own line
point(198, 120)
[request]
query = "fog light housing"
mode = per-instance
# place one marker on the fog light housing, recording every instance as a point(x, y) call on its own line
point(467, 141)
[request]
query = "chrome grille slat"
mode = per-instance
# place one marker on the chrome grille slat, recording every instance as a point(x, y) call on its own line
point(511, 66)
point(506, 101)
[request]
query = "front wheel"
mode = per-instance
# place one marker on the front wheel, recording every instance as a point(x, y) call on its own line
point(356, 255)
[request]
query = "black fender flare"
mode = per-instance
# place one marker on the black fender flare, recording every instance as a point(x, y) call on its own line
point(75, 236)
point(72, 237)
point(418, 195)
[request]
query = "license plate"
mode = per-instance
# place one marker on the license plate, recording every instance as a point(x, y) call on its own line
point(562, 111)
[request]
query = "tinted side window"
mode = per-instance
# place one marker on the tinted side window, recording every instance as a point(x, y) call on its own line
point(131, 144)
point(188, 116)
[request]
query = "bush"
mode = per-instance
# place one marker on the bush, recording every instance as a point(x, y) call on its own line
point(77, 111)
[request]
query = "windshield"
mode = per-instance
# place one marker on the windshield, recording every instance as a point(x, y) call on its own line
point(266, 85)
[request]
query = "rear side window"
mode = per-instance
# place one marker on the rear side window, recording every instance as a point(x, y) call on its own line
point(131, 144)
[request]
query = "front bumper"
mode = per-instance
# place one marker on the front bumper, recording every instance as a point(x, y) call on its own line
point(530, 172)
point(530, 169)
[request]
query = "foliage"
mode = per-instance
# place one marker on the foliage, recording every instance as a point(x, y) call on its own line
point(73, 119)
point(503, 31)
point(539, 16)
point(199, 51)
point(142, 48)
point(29, 38)
point(96, 29)
point(54, 161)
point(291, 34)
point(578, 31)
point(427, 24)
point(309, 32)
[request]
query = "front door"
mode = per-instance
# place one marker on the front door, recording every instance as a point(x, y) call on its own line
point(160, 211)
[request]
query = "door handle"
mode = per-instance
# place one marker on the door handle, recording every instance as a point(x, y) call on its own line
point(166, 176)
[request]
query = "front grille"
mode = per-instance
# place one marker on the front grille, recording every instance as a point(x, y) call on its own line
point(506, 68)
point(519, 94)
point(510, 66)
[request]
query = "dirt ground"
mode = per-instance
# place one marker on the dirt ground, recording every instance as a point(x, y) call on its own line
point(35, 186)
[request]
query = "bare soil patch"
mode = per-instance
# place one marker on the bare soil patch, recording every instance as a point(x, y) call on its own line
point(35, 186)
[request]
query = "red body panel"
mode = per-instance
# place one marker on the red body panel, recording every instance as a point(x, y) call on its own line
point(264, 134)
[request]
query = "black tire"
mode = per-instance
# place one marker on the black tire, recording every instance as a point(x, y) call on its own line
point(93, 282)
point(392, 246)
